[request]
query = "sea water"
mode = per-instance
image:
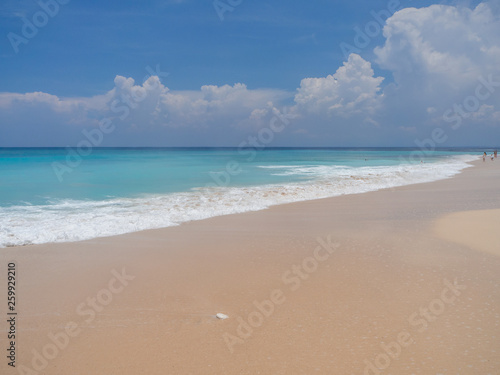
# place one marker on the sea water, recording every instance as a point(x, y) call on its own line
point(45, 196)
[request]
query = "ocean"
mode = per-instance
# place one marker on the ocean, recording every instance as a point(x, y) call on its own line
point(54, 195)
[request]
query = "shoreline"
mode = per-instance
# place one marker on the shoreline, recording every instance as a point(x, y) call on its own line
point(267, 204)
point(297, 303)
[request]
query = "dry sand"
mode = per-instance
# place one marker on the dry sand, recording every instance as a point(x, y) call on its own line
point(479, 230)
point(381, 298)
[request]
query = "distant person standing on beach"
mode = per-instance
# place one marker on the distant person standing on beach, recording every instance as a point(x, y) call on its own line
point(495, 153)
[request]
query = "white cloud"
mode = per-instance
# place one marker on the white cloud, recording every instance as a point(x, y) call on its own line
point(436, 55)
point(135, 105)
point(49, 102)
point(443, 45)
point(9, 100)
point(213, 104)
point(147, 108)
point(352, 89)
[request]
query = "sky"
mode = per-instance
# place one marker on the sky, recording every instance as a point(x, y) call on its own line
point(318, 73)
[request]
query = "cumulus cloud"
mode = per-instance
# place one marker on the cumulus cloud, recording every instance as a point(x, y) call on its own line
point(219, 105)
point(439, 52)
point(454, 43)
point(135, 106)
point(42, 100)
point(436, 56)
point(147, 107)
point(352, 89)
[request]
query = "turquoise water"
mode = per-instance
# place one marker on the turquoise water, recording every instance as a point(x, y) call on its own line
point(28, 176)
point(49, 195)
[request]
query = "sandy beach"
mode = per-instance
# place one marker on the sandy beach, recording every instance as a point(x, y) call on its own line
point(397, 281)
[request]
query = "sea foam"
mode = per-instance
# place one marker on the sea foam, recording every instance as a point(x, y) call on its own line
point(74, 220)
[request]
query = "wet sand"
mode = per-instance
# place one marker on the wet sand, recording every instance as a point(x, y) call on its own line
point(391, 282)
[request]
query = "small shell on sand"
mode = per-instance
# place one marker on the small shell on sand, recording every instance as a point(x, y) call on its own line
point(221, 316)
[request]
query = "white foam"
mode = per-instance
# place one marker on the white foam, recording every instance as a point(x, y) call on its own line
point(72, 220)
point(306, 170)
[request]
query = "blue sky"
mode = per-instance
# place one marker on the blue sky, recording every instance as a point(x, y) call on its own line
point(264, 44)
point(393, 91)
